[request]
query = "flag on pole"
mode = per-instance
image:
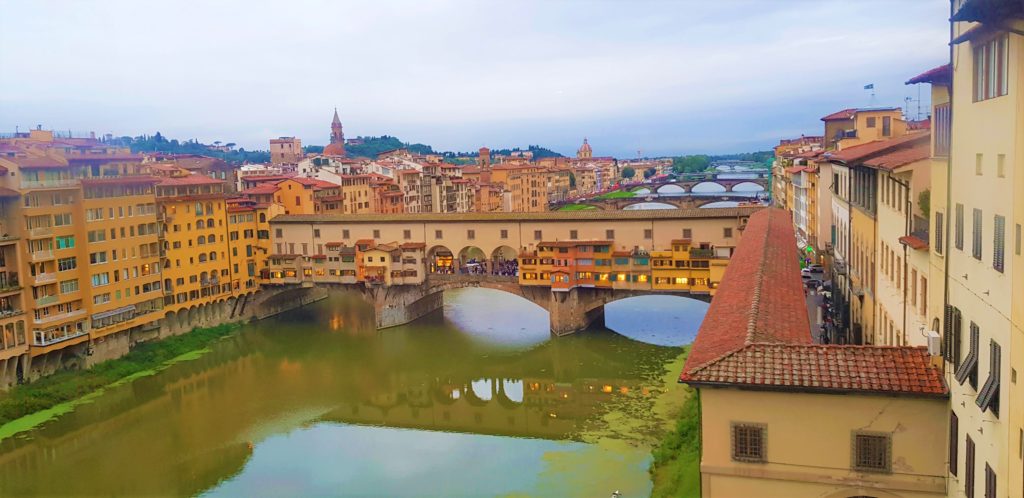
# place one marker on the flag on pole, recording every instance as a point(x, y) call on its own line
point(870, 86)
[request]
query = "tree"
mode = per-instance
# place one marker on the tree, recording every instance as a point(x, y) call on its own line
point(924, 201)
point(649, 172)
point(628, 172)
point(691, 164)
point(572, 180)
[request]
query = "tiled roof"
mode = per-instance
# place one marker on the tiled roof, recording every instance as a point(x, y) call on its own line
point(6, 192)
point(414, 245)
point(120, 180)
point(914, 242)
point(901, 157)
point(104, 157)
point(36, 162)
point(193, 179)
point(843, 114)
point(261, 189)
point(828, 368)
point(583, 215)
point(862, 152)
point(758, 333)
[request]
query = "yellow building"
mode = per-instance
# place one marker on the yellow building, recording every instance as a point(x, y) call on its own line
point(197, 261)
point(984, 320)
point(14, 329)
point(850, 127)
point(866, 417)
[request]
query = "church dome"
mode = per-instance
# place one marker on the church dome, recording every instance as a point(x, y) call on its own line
point(334, 149)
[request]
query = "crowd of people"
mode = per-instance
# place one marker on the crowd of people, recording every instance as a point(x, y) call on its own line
point(473, 266)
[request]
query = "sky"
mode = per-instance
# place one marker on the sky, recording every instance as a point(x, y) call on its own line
point(635, 77)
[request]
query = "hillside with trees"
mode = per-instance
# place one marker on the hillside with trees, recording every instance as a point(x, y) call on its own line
point(158, 143)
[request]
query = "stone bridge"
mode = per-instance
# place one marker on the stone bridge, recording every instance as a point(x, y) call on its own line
point(679, 201)
point(569, 311)
point(687, 184)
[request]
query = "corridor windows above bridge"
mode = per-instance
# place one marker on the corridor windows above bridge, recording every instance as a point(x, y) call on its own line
point(537, 235)
point(344, 234)
point(727, 232)
point(504, 234)
point(438, 234)
point(470, 234)
point(609, 234)
point(687, 233)
point(376, 234)
point(316, 233)
point(648, 233)
point(573, 234)
point(406, 234)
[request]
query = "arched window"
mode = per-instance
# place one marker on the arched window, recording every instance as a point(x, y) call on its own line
point(213, 256)
point(199, 209)
point(200, 225)
point(201, 240)
point(210, 223)
point(263, 217)
point(209, 208)
point(202, 258)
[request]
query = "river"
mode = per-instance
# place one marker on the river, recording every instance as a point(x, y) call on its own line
point(479, 402)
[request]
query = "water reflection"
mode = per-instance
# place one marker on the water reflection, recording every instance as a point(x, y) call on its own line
point(290, 405)
point(648, 205)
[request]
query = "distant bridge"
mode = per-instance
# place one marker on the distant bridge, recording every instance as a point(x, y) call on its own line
point(678, 201)
point(688, 184)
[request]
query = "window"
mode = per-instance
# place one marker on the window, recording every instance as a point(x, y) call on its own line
point(504, 234)
point(406, 234)
point(62, 219)
point(969, 468)
point(976, 231)
point(939, 227)
point(100, 279)
point(991, 61)
point(648, 233)
point(954, 442)
point(872, 452)
point(344, 233)
point(438, 234)
point(958, 227)
point(65, 264)
point(573, 234)
point(376, 234)
point(886, 126)
point(537, 235)
point(748, 442)
point(998, 243)
point(968, 370)
point(871, 122)
point(988, 397)
point(316, 233)
point(609, 234)
point(687, 233)
point(68, 286)
point(98, 258)
point(990, 482)
point(1017, 241)
point(979, 164)
point(277, 233)
point(66, 242)
point(470, 234)
point(1001, 165)
point(941, 129)
point(727, 232)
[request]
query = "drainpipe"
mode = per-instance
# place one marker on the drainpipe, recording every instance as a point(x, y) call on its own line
point(906, 231)
point(949, 194)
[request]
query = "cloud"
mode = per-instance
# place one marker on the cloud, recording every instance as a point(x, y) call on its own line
point(661, 76)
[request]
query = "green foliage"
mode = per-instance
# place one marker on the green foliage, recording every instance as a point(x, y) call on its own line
point(924, 202)
point(618, 194)
point(158, 143)
point(374, 146)
point(628, 172)
point(313, 149)
point(649, 172)
point(576, 207)
point(676, 465)
point(691, 164)
point(538, 152)
point(572, 180)
point(69, 385)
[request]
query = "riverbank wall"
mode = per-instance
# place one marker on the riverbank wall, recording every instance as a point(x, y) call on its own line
point(257, 305)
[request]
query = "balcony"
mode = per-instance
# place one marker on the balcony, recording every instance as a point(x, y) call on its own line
point(52, 183)
point(58, 317)
point(46, 300)
point(702, 253)
point(44, 255)
point(40, 232)
point(47, 338)
point(45, 278)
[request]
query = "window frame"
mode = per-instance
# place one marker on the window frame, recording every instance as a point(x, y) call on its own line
point(747, 456)
point(856, 462)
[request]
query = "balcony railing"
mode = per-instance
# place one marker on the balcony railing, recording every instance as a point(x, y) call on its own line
point(42, 255)
point(45, 278)
point(46, 300)
point(46, 338)
point(40, 231)
point(54, 183)
point(58, 317)
point(702, 253)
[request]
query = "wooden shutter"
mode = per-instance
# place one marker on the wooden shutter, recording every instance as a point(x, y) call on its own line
point(954, 442)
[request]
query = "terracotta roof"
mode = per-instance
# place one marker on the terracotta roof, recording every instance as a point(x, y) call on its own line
point(901, 157)
point(827, 368)
point(843, 114)
point(582, 215)
point(914, 242)
point(942, 74)
point(261, 189)
point(104, 157)
point(862, 152)
point(34, 162)
point(334, 244)
point(759, 337)
point(120, 180)
point(414, 245)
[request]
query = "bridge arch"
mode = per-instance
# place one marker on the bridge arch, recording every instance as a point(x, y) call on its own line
point(672, 189)
point(748, 186)
point(708, 187)
point(440, 259)
point(471, 254)
point(652, 204)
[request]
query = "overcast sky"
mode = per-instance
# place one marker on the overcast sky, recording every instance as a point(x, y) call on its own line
point(661, 77)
